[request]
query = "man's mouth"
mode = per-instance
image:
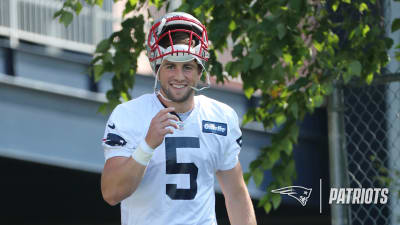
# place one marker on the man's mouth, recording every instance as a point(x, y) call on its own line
point(179, 86)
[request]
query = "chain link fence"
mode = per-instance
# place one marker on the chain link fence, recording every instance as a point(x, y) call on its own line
point(371, 129)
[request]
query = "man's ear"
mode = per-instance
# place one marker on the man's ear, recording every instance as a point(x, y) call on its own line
point(200, 69)
point(200, 74)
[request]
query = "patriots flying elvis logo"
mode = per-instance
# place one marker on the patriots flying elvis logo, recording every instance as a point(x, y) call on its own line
point(114, 140)
point(299, 193)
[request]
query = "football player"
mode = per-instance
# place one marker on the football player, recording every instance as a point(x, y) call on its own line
point(163, 150)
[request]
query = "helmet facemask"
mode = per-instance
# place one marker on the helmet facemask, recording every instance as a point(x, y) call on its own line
point(178, 37)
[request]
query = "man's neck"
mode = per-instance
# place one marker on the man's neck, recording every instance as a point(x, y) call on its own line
point(180, 107)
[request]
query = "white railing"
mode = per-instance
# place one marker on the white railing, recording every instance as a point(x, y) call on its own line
point(32, 20)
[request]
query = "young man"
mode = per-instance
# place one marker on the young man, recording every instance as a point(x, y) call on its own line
point(163, 149)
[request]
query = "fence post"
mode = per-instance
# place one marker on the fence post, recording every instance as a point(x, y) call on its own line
point(13, 13)
point(97, 22)
point(340, 214)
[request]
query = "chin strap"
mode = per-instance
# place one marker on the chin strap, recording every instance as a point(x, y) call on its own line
point(156, 90)
point(207, 81)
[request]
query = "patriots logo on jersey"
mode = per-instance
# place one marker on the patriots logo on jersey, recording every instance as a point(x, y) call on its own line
point(299, 193)
point(214, 127)
point(239, 141)
point(114, 140)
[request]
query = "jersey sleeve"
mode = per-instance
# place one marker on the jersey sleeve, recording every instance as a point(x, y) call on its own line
point(119, 139)
point(230, 156)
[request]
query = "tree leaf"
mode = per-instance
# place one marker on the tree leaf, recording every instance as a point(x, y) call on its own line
point(346, 77)
point(287, 147)
point(295, 5)
point(333, 38)
point(395, 25)
point(294, 133)
point(125, 96)
point(99, 3)
point(58, 13)
point(290, 167)
point(369, 78)
point(66, 18)
point(318, 100)
point(276, 200)
point(294, 108)
point(267, 207)
point(267, 164)
point(103, 46)
point(232, 25)
point(258, 176)
point(246, 177)
point(237, 50)
point(288, 58)
point(248, 117)
point(78, 7)
point(248, 92)
point(397, 55)
point(263, 200)
point(273, 155)
point(363, 7)
point(389, 42)
point(102, 109)
point(133, 2)
point(107, 57)
point(335, 5)
point(256, 61)
point(365, 30)
point(280, 119)
point(318, 46)
point(255, 164)
point(281, 30)
point(355, 68)
point(98, 72)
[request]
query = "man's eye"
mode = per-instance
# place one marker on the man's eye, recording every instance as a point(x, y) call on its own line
point(188, 67)
point(170, 67)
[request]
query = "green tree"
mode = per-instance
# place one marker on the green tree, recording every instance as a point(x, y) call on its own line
point(289, 52)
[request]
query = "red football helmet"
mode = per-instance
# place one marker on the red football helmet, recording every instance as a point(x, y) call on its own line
point(163, 31)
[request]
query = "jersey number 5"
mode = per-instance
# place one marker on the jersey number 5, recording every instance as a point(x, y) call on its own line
point(173, 167)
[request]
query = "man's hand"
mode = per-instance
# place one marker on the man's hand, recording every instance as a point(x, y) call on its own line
point(158, 127)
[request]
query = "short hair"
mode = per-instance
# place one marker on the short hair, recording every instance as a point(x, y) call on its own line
point(177, 38)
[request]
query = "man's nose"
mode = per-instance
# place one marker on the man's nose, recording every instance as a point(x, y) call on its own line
point(179, 73)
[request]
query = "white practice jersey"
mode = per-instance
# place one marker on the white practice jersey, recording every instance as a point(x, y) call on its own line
point(178, 184)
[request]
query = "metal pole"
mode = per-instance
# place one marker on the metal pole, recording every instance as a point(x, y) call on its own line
point(391, 12)
point(14, 42)
point(340, 214)
point(97, 23)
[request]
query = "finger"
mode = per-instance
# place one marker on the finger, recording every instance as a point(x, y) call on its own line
point(168, 123)
point(165, 111)
point(168, 116)
point(167, 131)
